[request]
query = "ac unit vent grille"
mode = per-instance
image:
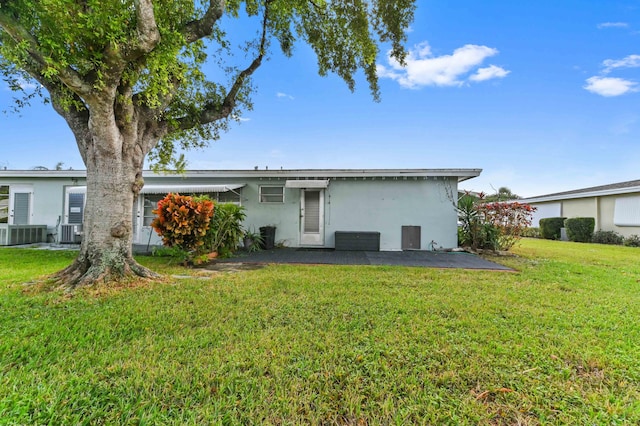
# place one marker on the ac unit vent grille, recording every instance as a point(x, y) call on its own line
point(71, 234)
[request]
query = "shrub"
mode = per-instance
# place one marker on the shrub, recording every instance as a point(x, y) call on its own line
point(225, 231)
point(494, 226)
point(580, 229)
point(531, 232)
point(509, 218)
point(182, 221)
point(550, 227)
point(474, 232)
point(632, 241)
point(607, 237)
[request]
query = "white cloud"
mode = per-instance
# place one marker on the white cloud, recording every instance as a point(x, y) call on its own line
point(24, 84)
point(631, 61)
point(488, 73)
point(424, 69)
point(239, 118)
point(614, 86)
point(613, 25)
point(284, 95)
point(610, 86)
point(27, 85)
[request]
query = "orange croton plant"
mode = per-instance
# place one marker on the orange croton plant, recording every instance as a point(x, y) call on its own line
point(183, 221)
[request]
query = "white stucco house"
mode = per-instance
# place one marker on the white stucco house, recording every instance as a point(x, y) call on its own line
point(615, 207)
point(387, 209)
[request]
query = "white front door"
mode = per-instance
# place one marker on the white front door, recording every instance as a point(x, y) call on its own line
point(20, 205)
point(312, 217)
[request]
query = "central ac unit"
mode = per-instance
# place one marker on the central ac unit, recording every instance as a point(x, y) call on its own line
point(70, 234)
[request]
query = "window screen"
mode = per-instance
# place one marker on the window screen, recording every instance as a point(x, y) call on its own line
point(627, 211)
point(227, 197)
point(272, 194)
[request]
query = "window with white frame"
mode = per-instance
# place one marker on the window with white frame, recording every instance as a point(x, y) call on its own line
point(150, 204)
point(4, 203)
point(272, 194)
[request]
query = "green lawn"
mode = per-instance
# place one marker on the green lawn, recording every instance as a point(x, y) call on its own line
point(556, 343)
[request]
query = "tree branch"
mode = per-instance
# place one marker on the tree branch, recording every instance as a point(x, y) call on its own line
point(200, 28)
point(148, 33)
point(147, 39)
point(67, 75)
point(214, 112)
point(77, 119)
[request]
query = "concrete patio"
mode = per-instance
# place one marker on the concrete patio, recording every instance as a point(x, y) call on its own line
point(426, 259)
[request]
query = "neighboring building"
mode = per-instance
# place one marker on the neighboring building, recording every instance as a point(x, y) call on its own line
point(615, 207)
point(403, 209)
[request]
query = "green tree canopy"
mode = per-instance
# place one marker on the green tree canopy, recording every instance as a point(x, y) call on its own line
point(147, 56)
point(502, 194)
point(128, 78)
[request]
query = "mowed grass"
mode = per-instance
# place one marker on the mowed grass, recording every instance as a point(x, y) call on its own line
point(557, 342)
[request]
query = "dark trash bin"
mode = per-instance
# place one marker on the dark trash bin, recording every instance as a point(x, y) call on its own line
point(268, 234)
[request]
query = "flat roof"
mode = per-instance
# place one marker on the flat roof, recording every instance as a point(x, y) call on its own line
point(461, 174)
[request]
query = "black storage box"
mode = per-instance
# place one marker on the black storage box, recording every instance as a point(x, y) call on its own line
point(363, 241)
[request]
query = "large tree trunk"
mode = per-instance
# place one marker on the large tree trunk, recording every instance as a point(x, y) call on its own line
point(114, 178)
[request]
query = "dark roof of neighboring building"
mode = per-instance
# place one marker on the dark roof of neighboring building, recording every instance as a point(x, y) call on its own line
point(614, 188)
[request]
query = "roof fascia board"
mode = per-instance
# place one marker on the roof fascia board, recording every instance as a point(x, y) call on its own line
point(329, 173)
point(461, 174)
point(43, 173)
point(616, 191)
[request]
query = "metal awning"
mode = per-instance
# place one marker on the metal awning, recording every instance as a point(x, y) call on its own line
point(77, 190)
point(307, 183)
point(165, 189)
point(190, 189)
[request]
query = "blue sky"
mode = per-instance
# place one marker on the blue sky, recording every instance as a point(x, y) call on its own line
point(543, 96)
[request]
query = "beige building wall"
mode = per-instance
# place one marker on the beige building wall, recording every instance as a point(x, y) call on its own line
point(602, 209)
point(581, 207)
point(607, 209)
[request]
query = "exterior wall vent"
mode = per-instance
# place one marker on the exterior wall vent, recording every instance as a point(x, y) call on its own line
point(411, 236)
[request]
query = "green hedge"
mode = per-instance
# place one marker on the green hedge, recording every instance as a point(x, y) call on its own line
point(580, 229)
point(607, 237)
point(550, 227)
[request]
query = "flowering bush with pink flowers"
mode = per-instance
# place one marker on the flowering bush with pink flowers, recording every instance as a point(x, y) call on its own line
point(494, 225)
point(510, 218)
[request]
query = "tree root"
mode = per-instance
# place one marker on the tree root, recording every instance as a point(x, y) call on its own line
point(82, 273)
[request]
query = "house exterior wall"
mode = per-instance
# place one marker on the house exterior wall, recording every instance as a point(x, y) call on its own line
point(582, 207)
point(353, 205)
point(607, 211)
point(369, 203)
point(284, 216)
point(47, 200)
point(386, 205)
point(601, 208)
point(544, 210)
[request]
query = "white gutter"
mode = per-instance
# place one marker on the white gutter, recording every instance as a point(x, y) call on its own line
point(461, 174)
point(601, 193)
